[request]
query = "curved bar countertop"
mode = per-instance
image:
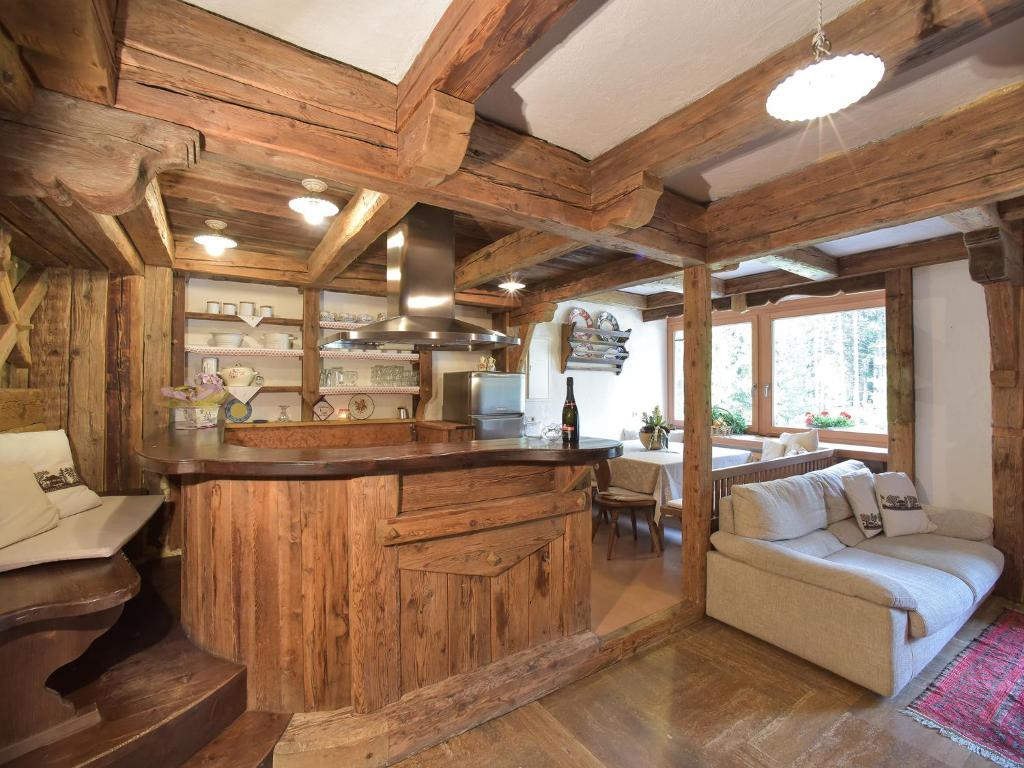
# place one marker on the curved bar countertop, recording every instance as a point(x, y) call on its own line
point(201, 452)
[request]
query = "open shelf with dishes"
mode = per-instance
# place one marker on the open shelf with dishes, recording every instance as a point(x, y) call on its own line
point(203, 349)
point(290, 322)
point(372, 389)
point(593, 349)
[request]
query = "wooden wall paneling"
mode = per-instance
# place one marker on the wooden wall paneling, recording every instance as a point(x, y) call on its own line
point(428, 490)
point(697, 488)
point(22, 410)
point(178, 358)
point(16, 87)
point(576, 554)
point(424, 628)
point(50, 340)
point(899, 345)
point(510, 610)
point(157, 347)
point(469, 623)
point(87, 428)
point(374, 624)
point(310, 350)
point(124, 377)
point(546, 582)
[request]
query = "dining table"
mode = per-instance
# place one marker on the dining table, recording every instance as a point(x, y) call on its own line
point(660, 473)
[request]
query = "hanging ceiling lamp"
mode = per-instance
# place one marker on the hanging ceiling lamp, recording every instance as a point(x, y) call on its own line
point(215, 244)
point(313, 209)
point(828, 85)
point(512, 284)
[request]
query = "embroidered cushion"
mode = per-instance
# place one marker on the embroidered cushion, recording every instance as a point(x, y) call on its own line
point(26, 512)
point(860, 490)
point(48, 455)
point(899, 504)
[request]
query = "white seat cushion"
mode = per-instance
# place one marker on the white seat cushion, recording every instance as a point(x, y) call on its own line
point(614, 493)
point(97, 532)
point(941, 597)
point(976, 564)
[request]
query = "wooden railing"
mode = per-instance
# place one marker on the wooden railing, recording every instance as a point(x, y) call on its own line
point(760, 471)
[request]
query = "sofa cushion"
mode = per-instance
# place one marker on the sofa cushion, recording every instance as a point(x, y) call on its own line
point(48, 454)
point(614, 493)
point(830, 480)
point(726, 520)
point(898, 501)
point(807, 440)
point(940, 597)
point(778, 509)
point(26, 511)
point(847, 531)
point(816, 544)
point(860, 490)
point(977, 565)
point(960, 523)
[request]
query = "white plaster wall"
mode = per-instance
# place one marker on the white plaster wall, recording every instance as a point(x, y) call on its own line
point(954, 406)
point(607, 403)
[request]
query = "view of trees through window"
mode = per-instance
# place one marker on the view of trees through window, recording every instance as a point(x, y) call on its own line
point(732, 369)
point(832, 366)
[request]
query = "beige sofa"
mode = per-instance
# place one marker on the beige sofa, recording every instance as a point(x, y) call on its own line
point(791, 567)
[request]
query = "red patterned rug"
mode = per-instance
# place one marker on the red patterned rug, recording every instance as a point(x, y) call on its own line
point(978, 700)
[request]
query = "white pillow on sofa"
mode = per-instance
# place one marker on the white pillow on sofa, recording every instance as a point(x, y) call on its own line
point(26, 512)
point(900, 505)
point(48, 455)
point(778, 509)
point(860, 491)
point(772, 448)
point(806, 440)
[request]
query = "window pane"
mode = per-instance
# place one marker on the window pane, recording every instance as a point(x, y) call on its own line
point(677, 376)
point(732, 374)
point(829, 370)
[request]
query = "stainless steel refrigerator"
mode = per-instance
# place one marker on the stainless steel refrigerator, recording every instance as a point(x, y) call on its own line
point(492, 402)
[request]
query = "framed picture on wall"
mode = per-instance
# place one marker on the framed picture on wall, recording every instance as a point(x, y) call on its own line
point(538, 367)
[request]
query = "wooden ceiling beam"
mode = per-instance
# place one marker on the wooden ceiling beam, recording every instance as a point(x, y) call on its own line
point(996, 254)
point(41, 238)
point(472, 45)
point(806, 262)
point(147, 226)
point(367, 216)
point(522, 249)
point(16, 88)
point(68, 44)
point(103, 235)
point(969, 157)
point(733, 114)
point(1011, 210)
point(973, 219)
point(617, 299)
point(433, 142)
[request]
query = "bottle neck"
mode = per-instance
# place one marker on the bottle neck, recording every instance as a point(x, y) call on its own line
point(569, 397)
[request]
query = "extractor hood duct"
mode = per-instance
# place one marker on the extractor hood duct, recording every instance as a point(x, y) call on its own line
point(421, 292)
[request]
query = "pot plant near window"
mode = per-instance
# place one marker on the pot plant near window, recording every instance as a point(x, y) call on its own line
point(654, 432)
point(725, 422)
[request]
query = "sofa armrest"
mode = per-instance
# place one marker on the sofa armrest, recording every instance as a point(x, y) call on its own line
point(960, 523)
point(835, 577)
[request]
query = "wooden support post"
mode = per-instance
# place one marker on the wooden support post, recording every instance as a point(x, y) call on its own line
point(899, 345)
point(125, 348)
point(426, 372)
point(697, 432)
point(310, 351)
point(157, 347)
point(178, 364)
point(87, 429)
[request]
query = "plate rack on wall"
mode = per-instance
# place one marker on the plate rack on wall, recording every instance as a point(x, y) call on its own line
point(593, 349)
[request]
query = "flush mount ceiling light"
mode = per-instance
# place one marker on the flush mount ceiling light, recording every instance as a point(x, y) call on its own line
point(313, 209)
point(215, 244)
point(512, 284)
point(828, 85)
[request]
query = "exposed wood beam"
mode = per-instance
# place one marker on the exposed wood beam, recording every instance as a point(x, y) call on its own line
point(16, 88)
point(68, 44)
point(41, 238)
point(973, 219)
point(899, 354)
point(543, 312)
point(367, 216)
point(147, 226)
point(433, 142)
point(973, 156)
point(734, 115)
point(996, 254)
point(102, 235)
point(14, 333)
point(473, 44)
point(617, 299)
point(519, 250)
point(1011, 210)
point(806, 262)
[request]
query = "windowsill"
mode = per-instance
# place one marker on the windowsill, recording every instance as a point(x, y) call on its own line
point(843, 450)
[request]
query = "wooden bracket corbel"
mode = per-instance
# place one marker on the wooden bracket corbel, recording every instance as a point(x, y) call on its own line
point(995, 254)
point(628, 205)
point(433, 142)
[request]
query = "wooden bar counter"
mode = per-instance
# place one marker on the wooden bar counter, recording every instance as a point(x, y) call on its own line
point(345, 578)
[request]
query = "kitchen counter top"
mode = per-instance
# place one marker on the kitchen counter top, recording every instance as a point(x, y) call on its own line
point(201, 452)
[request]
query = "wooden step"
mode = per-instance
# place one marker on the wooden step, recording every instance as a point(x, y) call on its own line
point(246, 743)
point(159, 707)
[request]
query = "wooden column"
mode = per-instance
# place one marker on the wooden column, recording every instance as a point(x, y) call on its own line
point(157, 349)
point(310, 351)
point(696, 432)
point(899, 346)
point(125, 350)
point(87, 427)
point(178, 365)
point(425, 368)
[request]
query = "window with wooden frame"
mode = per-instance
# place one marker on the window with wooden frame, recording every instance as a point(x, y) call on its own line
point(795, 365)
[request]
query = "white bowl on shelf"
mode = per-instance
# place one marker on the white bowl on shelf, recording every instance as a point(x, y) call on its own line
point(227, 339)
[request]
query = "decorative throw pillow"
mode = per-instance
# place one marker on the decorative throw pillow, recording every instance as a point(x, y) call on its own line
point(795, 450)
point(860, 490)
point(772, 449)
point(26, 512)
point(806, 440)
point(48, 455)
point(901, 509)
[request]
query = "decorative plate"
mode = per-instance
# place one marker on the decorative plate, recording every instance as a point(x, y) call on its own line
point(322, 410)
point(360, 406)
point(236, 411)
point(579, 313)
point(606, 321)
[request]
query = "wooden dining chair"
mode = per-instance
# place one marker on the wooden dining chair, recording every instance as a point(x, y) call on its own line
point(612, 501)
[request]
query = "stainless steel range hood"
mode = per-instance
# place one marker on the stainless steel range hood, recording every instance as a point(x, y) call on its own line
point(421, 292)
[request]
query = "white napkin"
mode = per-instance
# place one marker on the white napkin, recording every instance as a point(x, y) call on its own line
point(252, 320)
point(243, 394)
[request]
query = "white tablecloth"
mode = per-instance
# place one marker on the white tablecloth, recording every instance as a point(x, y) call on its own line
point(660, 473)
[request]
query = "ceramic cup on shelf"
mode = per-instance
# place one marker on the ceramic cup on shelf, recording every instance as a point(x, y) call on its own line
point(210, 364)
point(277, 340)
point(266, 311)
point(247, 308)
point(229, 308)
point(213, 307)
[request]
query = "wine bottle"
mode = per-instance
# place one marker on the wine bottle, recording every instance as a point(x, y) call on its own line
point(570, 418)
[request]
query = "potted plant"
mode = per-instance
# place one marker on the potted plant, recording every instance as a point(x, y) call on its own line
point(725, 422)
point(654, 432)
point(826, 420)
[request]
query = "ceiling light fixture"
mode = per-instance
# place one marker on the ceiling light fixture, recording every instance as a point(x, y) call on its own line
point(313, 209)
point(828, 85)
point(215, 244)
point(512, 284)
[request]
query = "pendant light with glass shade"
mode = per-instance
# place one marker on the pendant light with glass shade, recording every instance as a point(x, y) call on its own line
point(313, 209)
point(215, 244)
point(512, 284)
point(828, 85)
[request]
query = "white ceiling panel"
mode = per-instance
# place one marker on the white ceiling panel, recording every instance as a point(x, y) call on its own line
point(381, 37)
point(914, 232)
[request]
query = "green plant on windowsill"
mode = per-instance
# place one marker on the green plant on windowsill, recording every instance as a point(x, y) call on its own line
point(826, 420)
point(654, 432)
point(725, 422)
